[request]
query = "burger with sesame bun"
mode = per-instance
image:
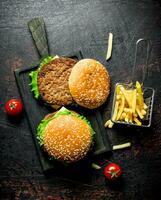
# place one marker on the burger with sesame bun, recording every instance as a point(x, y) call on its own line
point(89, 83)
point(65, 135)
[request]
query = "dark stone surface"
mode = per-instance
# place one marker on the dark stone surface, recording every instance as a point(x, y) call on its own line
point(72, 25)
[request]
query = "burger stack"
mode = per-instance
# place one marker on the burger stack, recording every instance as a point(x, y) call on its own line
point(59, 81)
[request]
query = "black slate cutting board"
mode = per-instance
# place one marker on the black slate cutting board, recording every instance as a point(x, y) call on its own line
point(36, 110)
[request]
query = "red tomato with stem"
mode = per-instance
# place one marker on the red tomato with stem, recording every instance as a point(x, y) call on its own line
point(14, 107)
point(112, 171)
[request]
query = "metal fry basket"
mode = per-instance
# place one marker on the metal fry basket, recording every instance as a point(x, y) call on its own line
point(148, 92)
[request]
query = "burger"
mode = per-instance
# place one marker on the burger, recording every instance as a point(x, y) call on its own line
point(89, 83)
point(65, 135)
point(50, 81)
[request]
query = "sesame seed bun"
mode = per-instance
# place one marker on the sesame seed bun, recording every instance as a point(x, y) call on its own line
point(67, 138)
point(89, 83)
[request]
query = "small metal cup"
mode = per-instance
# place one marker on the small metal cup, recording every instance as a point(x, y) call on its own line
point(148, 92)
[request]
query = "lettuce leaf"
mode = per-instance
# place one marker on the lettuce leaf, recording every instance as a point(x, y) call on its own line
point(34, 74)
point(46, 60)
point(33, 84)
point(40, 130)
point(62, 111)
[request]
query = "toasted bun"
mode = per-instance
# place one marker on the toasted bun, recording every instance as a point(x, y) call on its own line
point(89, 83)
point(67, 138)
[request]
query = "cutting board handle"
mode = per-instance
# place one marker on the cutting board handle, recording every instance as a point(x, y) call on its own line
point(39, 35)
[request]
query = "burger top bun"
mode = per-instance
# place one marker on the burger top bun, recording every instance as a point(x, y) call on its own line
point(67, 138)
point(89, 83)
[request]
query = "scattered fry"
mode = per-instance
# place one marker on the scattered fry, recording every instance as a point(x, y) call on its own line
point(109, 49)
point(95, 166)
point(110, 124)
point(107, 123)
point(121, 146)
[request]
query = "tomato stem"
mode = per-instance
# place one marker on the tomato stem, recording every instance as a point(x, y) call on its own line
point(12, 105)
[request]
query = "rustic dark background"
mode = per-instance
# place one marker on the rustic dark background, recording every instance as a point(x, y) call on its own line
point(71, 25)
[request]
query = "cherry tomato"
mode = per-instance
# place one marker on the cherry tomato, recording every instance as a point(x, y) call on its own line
point(112, 171)
point(13, 107)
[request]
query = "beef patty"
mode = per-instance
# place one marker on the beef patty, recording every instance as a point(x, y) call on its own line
point(53, 81)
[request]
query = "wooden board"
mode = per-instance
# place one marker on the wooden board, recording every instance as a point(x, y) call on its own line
point(36, 110)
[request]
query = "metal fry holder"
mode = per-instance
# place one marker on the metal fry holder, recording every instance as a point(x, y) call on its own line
point(148, 92)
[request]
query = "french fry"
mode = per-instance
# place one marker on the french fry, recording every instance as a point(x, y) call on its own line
point(140, 95)
point(143, 112)
point(118, 89)
point(137, 121)
point(126, 118)
point(118, 97)
point(121, 108)
point(145, 106)
point(109, 49)
point(121, 118)
point(121, 146)
point(126, 110)
point(130, 116)
point(135, 114)
point(109, 124)
point(134, 101)
point(128, 94)
point(139, 112)
point(95, 166)
point(123, 115)
point(115, 111)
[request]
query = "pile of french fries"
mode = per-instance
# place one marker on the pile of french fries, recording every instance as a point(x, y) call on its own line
point(129, 105)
